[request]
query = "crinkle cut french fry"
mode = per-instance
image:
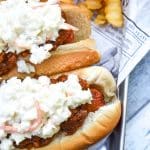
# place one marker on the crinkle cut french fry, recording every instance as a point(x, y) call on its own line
point(85, 10)
point(93, 4)
point(100, 19)
point(102, 11)
point(113, 12)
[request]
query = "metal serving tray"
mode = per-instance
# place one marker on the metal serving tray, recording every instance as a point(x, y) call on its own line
point(115, 141)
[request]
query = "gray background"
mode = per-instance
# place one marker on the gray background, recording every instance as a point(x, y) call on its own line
point(137, 135)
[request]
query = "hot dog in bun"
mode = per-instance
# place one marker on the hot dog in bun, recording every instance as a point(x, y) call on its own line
point(36, 35)
point(68, 111)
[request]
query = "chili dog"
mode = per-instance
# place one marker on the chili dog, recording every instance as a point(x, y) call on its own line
point(67, 111)
point(44, 35)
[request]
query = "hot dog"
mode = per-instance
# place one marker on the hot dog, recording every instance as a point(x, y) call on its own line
point(67, 111)
point(33, 39)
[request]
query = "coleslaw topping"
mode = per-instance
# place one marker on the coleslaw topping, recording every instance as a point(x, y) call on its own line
point(27, 24)
point(36, 107)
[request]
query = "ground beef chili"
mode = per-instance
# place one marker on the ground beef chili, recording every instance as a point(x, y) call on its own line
point(98, 101)
point(7, 62)
point(78, 115)
point(35, 142)
point(65, 36)
point(76, 120)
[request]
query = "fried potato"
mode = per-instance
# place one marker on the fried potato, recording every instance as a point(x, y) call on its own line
point(87, 11)
point(113, 12)
point(93, 4)
point(100, 20)
point(82, 4)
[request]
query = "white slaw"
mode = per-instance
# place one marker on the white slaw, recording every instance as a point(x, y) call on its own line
point(37, 107)
point(28, 24)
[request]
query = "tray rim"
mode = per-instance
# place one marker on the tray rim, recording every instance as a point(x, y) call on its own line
point(124, 112)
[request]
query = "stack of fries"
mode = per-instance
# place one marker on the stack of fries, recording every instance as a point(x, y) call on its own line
point(102, 11)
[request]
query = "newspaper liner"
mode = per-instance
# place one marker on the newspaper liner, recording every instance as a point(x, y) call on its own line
point(123, 48)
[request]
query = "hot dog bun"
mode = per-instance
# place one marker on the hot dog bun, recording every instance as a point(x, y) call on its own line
point(65, 58)
point(97, 125)
point(76, 17)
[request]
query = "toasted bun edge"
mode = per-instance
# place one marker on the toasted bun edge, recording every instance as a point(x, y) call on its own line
point(74, 57)
point(76, 17)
